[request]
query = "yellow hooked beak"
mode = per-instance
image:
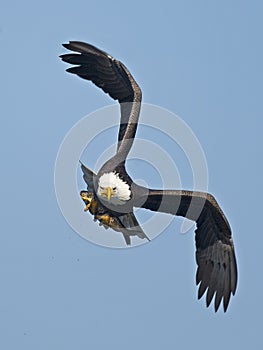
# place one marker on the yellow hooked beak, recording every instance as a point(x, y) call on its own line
point(109, 192)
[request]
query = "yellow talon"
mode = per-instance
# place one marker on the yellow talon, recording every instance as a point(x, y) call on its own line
point(85, 197)
point(104, 219)
point(87, 206)
point(87, 200)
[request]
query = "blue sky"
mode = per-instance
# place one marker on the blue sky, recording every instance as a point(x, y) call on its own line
point(203, 61)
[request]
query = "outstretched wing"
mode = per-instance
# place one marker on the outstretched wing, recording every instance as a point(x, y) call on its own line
point(126, 223)
point(215, 256)
point(113, 78)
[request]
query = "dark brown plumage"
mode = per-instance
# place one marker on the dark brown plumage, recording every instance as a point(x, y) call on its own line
point(114, 79)
point(215, 256)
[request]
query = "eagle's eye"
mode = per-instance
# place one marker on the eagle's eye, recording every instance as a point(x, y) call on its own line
point(114, 188)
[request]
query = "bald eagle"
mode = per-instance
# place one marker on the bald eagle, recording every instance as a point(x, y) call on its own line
point(116, 195)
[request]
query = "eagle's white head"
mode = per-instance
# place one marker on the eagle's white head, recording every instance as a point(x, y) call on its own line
point(113, 189)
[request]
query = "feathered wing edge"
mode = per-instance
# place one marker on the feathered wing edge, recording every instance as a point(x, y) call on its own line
point(127, 224)
point(113, 78)
point(215, 255)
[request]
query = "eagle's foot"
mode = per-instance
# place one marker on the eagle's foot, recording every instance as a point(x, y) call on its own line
point(88, 201)
point(104, 219)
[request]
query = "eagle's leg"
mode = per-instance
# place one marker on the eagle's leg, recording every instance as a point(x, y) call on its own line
point(94, 207)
